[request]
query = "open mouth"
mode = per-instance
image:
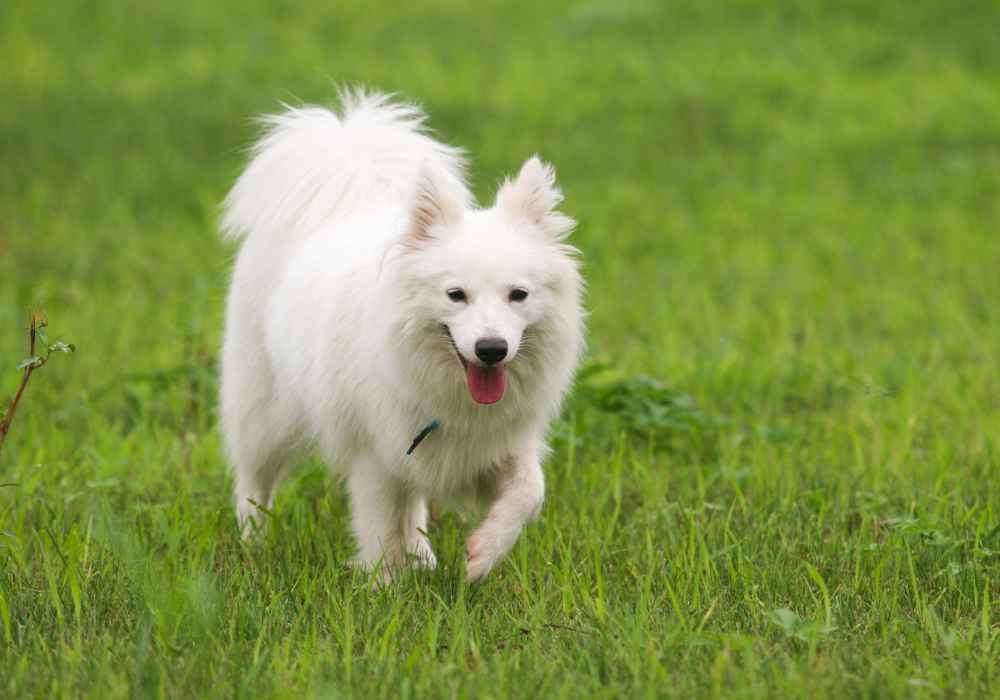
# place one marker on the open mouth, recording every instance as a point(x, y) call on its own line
point(486, 384)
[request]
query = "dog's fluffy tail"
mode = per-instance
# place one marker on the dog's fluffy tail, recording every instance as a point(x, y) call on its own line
point(313, 166)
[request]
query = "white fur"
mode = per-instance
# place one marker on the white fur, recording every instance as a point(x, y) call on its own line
point(353, 228)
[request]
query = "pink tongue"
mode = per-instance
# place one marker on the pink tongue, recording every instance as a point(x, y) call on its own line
point(486, 384)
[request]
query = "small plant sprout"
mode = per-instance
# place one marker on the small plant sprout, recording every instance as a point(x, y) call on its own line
point(39, 352)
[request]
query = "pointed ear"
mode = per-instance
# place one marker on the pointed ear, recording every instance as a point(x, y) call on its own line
point(533, 197)
point(435, 204)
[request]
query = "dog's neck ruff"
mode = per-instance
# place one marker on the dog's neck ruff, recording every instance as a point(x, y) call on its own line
point(423, 434)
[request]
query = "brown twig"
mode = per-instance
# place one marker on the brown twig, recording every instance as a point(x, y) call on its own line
point(35, 326)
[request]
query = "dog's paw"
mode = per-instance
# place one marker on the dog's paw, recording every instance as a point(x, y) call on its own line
point(252, 516)
point(251, 523)
point(480, 555)
point(486, 548)
point(381, 574)
point(422, 556)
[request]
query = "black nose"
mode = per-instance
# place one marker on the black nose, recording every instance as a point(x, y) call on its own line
point(491, 350)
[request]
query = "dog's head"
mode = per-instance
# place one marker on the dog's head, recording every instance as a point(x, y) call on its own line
point(498, 286)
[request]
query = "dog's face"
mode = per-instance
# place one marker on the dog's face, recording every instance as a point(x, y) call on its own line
point(489, 281)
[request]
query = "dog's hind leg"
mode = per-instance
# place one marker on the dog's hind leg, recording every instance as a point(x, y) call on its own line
point(257, 433)
point(259, 467)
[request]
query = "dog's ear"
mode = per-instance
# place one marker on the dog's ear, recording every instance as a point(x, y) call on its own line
point(533, 197)
point(434, 205)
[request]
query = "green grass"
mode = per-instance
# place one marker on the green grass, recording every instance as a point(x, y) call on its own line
point(789, 216)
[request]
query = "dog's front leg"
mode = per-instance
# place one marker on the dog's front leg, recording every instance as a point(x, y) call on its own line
point(518, 489)
point(388, 521)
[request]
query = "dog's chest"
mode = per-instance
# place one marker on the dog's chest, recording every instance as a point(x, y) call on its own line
point(450, 461)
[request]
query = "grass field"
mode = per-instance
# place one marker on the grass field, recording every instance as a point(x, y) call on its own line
point(789, 216)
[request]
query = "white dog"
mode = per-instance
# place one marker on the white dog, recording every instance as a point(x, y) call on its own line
point(421, 344)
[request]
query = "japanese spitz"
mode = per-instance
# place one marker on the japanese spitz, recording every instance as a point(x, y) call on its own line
point(420, 343)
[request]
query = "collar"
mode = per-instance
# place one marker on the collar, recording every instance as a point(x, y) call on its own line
point(423, 434)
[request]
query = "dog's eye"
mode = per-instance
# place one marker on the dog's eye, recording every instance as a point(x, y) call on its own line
point(456, 294)
point(518, 294)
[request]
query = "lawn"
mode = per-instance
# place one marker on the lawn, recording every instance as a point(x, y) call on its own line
point(779, 474)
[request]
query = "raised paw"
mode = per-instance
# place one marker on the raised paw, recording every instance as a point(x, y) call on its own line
point(487, 547)
point(480, 555)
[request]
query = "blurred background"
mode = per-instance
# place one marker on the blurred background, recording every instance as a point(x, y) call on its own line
point(788, 215)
